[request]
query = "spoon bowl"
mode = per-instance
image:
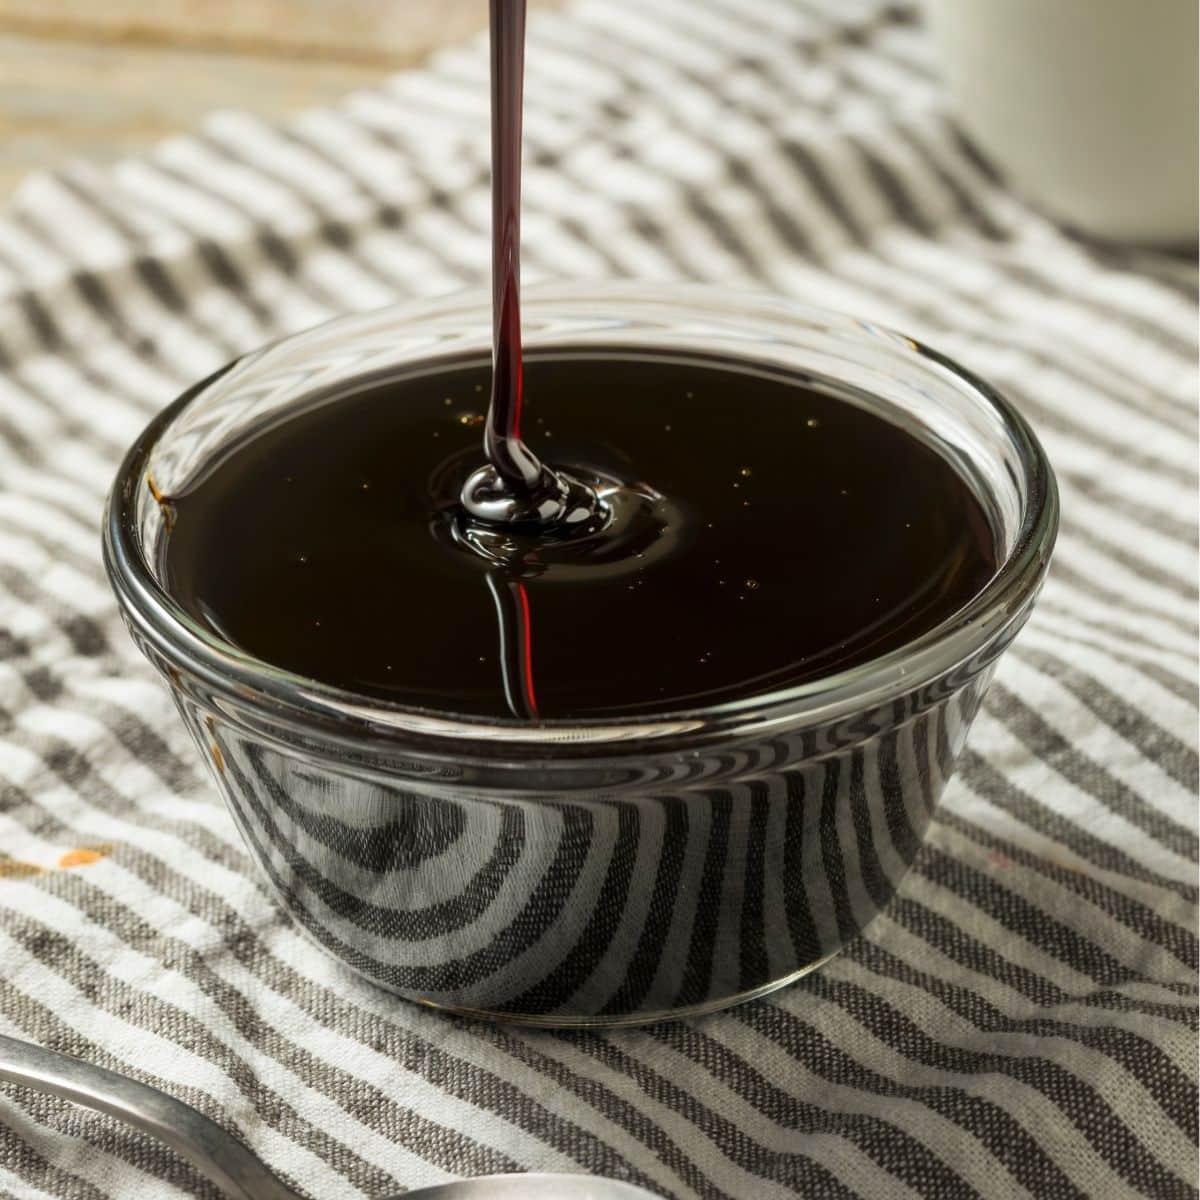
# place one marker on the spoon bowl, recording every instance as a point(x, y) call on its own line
point(225, 1159)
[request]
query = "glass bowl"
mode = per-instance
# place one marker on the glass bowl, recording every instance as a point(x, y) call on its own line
point(605, 871)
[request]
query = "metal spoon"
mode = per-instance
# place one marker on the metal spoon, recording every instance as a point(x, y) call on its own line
point(222, 1158)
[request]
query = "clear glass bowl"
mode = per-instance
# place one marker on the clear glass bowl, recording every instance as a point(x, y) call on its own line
point(601, 871)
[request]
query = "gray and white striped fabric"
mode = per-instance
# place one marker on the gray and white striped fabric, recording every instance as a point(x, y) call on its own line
point(1019, 1022)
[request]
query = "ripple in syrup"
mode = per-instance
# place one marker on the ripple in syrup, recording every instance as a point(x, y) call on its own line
point(787, 534)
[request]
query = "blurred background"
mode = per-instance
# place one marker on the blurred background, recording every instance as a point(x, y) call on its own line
point(1088, 106)
point(102, 78)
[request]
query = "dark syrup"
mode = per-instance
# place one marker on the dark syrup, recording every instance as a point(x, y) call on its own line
point(788, 534)
point(702, 533)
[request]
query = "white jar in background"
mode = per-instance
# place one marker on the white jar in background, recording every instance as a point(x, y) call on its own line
point(1089, 106)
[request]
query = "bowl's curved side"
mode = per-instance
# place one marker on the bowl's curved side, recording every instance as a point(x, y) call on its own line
point(589, 907)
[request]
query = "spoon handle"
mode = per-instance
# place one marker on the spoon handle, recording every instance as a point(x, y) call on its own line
point(217, 1155)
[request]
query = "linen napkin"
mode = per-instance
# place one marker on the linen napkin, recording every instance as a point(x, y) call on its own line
point(1021, 1020)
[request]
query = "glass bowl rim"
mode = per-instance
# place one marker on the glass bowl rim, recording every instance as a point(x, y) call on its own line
point(1006, 599)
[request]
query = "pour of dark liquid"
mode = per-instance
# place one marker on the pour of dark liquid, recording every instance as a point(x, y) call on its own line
point(789, 534)
point(514, 488)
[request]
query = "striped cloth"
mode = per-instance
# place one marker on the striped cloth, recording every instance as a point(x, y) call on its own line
point(1021, 1020)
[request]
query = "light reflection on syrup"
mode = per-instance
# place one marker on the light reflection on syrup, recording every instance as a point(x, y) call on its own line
point(515, 623)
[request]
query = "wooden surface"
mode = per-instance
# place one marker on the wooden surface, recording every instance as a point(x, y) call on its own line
point(102, 78)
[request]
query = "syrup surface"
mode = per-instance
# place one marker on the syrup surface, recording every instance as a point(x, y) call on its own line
point(763, 533)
